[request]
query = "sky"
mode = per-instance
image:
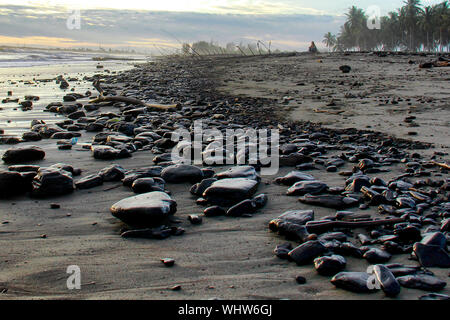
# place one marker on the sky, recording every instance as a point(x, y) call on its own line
point(162, 24)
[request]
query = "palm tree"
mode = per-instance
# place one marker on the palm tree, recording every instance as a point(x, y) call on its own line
point(329, 40)
point(442, 20)
point(411, 11)
point(410, 27)
point(357, 24)
point(426, 23)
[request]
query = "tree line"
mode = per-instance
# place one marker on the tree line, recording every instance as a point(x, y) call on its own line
point(213, 48)
point(412, 27)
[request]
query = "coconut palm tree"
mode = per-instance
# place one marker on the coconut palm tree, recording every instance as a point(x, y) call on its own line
point(411, 27)
point(442, 21)
point(426, 24)
point(411, 11)
point(329, 40)
point(357, 25)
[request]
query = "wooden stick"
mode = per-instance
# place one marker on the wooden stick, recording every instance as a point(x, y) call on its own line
point(442, 165)
point(330, 112)
point(102, 98)
point(315, 226)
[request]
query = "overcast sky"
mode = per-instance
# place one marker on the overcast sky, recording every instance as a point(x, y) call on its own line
point(289, 24)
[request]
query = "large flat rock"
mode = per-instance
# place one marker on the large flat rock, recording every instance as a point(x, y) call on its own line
point(145, 210)
point(228, 192)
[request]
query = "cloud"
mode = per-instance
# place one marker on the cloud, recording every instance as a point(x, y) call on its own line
point(147, 29)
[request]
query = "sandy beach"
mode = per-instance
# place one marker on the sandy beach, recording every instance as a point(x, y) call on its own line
point(224, 257)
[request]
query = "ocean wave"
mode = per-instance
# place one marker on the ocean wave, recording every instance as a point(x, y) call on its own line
point(23, 58)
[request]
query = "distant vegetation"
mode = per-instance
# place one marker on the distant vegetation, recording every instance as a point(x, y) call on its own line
point(88, 50)
point(413, 27)
point(212, 48)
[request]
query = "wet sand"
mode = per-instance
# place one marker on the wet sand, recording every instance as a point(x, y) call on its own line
point(377, 94)
point(227, 258)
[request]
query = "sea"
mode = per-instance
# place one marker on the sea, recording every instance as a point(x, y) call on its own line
point(27, 72)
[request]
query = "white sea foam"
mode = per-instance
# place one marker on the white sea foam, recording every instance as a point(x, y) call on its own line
point(34, 57)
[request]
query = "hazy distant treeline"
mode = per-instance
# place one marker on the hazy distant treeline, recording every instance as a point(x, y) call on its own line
point(413, 27)
point(212, 48)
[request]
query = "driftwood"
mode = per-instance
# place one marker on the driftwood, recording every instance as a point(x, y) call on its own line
point(103, 98)
point(329, 112)
point(442, 165)
point(319, 226)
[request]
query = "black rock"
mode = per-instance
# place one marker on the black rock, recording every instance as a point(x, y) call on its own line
point(230, 191)
point(300, 279)
point(26, 104)
point(148, 209)
point(352, 281)
point(24, 154)
point(168, 262)
point(208, 173)
point(77, 115)
point(376, 255)
point(294, 159)
point(293, 177)
point(260, 201)
point(422, 282)
point(182, 173)
point(13, 183)
point(282, 250)
point(66, 167)
point(105, 152)
point(195, 219)
point(399, 270)
point(345, 69)
point(306, 252)
point(64, 146)
point(373, 197)
point(305, 166)
point(112, 173)
point(329, 265)
point(89, 182)
point(247, 172)
point(387, 281)
point(330, 236)
point(435, 239)
point(431, 256)
point(329, 201)
point(355, 184)
point(291, 224)
point(365, 164)
point(349, 249)
point(332, 169)
point(69, 98)
point(393, 247)
point(31, 136)
point(306, 187)
point(364, 239)
point(143, 185)
point(445, 225)
point(52, 182)
point(405, 202)
point(408, 233)
point(199, 188)
point(63, 135)
point(242, 208)
point(214, 211)
point(149, 172)
point(94, 127)
point(165, 143)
